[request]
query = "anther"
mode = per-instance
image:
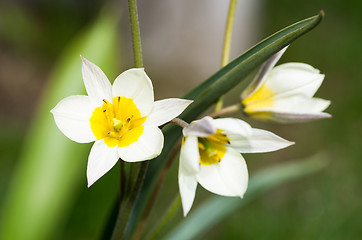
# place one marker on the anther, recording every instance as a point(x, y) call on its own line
point(104, 110)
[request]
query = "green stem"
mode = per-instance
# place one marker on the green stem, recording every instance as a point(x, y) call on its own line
point(135, 29)
point(225, 58)
point(127, 205)
point(229, 109)
point(152, 200)
point(128, 201)
point(122, 179)
point(171, 211)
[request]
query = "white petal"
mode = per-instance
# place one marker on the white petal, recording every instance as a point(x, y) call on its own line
point(232, 126)
point(294, 78)
point(134, 83)
point(165, 110)
point(288, 117)
point(148, 146)
point(259, 141)
point(227, 178)
point(299, 104)
point(96, 83)
point(187, 185)
point(200, 128)
point(189, 155)
point(101, 159)
point(295, 109)
point(259, 78)
point(72, 116)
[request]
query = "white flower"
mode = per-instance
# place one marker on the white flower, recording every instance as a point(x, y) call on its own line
point(285, 93)
point(122, 119)
point(210, 155)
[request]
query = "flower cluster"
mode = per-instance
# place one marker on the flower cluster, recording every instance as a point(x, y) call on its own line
point(123, 119)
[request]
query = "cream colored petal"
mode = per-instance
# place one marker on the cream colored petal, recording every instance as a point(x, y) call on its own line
point(135, 84)
point(189, 155)
point(288, 117)
point(294, 79)
point(259, 78)
point(259, 141)
point(148, 146)
point(187, 186)
point(72, 116)
point(294, 109)
point(101, 159)
point(227, 178)
point(232, 126)
point(299, 104)
point(96, 83)
point(200, 128)
point(165, 110)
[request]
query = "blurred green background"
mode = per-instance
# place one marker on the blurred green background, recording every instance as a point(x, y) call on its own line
point(182, 47)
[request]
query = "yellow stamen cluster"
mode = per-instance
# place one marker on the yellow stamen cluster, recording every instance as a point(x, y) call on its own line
point(212, 148)
point(119, 123)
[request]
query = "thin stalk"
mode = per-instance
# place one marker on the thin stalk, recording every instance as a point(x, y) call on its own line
point(127, 206)
point(154, 195)
point(122, 179)
point(225, 58)
point(135, 29)
point(229, 109)
point(180, 122)
point(171, 211)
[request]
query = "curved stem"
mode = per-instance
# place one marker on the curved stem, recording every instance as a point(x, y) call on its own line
point(229, 109)
point(180, 122)
point(154, 195)
point(127, 205)
point(227, 44)
point(228, 34)
point(135, 29)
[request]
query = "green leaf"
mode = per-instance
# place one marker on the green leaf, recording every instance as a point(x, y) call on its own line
point(213, 211)
point(52, 168)
point(217, 85)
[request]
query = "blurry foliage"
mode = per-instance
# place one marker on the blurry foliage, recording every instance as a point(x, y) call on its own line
point(44, 27)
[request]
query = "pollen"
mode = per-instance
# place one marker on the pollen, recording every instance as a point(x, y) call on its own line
point(212, 148)
point(118, 123)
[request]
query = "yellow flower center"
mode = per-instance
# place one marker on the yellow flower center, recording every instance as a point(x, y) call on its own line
point(119, 123)
point(212, 148)
point(261, 98)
